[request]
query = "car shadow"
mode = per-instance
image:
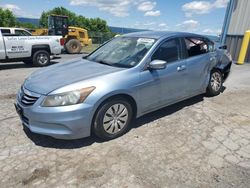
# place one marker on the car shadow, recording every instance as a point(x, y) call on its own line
point(166, 111)
point(223, 88)
point(49, 142)
point(8, 66)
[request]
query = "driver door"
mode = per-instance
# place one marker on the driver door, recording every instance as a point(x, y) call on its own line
point(164, 86)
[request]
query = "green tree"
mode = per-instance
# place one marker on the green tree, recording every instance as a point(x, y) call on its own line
point(57, 11)
point(26, 25)
point(7, 18)
point(91, 24)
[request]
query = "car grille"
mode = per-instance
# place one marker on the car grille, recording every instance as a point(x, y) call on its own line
point(28, 98)
point(25, 120)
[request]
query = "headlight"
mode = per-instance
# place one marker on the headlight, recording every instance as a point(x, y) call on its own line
point(67, 98)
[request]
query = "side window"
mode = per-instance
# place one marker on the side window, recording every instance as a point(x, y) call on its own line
point(5, 32)
point(196, 46)
point(82, 35)
point(169, 51)
point(19, 32)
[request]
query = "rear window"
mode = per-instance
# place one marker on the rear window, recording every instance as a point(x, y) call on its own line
point(5, 32)
point(82, 35)
point(20, 32)
point(196, 46)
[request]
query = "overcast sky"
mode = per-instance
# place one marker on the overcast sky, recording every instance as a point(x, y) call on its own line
point(204, 17)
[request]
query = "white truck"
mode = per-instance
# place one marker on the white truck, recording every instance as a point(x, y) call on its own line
point(17, 44)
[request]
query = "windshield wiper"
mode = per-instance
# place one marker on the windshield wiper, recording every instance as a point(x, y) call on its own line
point(103, 62)
point(85, 57)
point(122, 65)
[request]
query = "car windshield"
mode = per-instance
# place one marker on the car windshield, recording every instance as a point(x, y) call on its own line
point(122, 51)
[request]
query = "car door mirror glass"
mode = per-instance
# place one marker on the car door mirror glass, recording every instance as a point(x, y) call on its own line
point(157, 64)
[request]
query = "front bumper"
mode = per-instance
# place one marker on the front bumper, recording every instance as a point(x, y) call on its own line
point(67, 122)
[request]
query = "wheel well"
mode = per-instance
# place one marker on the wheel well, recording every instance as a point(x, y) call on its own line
point(69, 38)
point(124, 96)
point(224, 70)
point(127, 97)
point(216, 68)
point(36, 48)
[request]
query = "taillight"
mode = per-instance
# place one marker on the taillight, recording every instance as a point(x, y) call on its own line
point(62, 41)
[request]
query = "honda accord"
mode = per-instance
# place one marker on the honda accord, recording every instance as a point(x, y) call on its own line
point(125, 78)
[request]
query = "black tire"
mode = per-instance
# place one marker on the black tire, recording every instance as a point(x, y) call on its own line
point(41, 58)
point(73, 46)
point(99, 123)
point(215, 83)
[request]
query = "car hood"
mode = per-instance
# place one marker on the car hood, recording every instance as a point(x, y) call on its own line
point(51, 78)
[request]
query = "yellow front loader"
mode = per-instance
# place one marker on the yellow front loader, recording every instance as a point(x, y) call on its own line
point(74, 37)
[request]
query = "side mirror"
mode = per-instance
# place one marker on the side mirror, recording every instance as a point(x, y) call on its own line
point(157, 64)
point(224, 47)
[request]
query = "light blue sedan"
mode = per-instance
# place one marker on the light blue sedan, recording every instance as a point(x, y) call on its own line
point(127, 77)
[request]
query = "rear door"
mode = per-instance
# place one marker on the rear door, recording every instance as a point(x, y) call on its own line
point(198, 63)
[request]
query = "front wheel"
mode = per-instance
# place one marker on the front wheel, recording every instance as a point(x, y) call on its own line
point(215, 83)
point(112, 119)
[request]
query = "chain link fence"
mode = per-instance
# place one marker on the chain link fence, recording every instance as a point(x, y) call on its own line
point(97, 38)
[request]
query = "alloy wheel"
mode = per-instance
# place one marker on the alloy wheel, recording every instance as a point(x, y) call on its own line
point(42, 59)
point(216, 81)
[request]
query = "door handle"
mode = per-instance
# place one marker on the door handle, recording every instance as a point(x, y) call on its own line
point(181, 68)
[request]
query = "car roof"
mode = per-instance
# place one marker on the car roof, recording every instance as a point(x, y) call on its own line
point(161, 34)
point(12, 28)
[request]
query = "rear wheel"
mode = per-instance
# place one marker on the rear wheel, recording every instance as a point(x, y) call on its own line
point(41, 58)
point(73, 46)
point(113, 118)
point(215, 83)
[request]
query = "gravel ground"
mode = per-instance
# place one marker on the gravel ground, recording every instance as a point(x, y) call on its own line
point(200, 142)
